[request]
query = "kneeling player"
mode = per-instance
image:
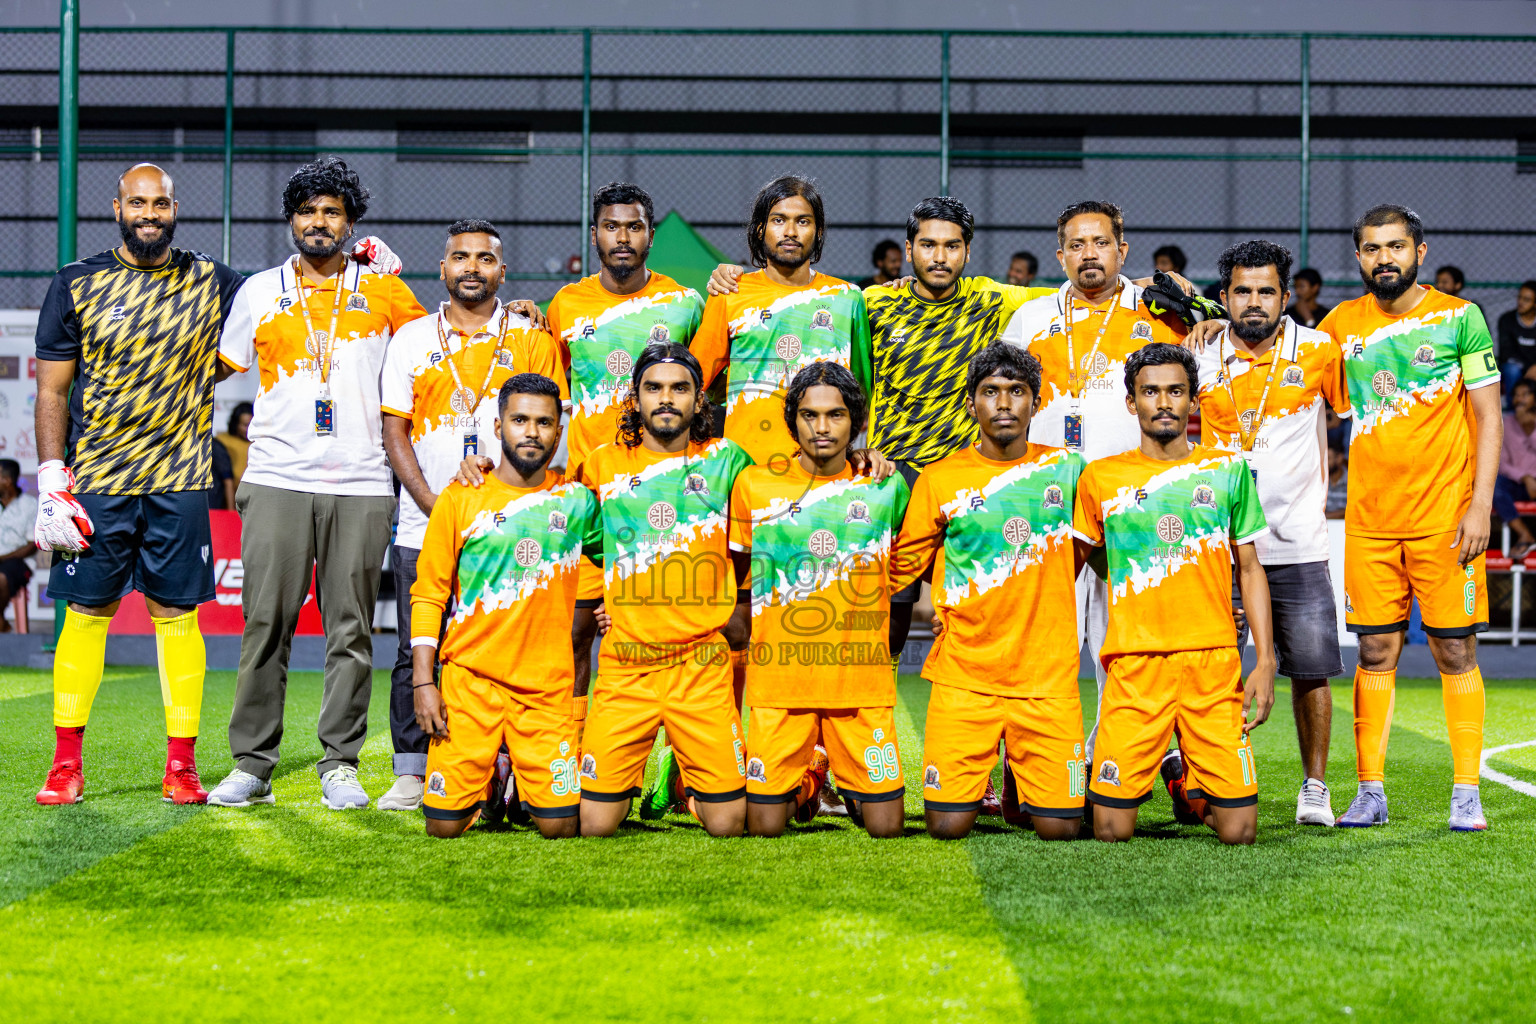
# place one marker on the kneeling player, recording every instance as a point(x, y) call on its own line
point(669, 596)
point(507, 553)
point(818, 539)
point(1172, 516)
point(999, 516)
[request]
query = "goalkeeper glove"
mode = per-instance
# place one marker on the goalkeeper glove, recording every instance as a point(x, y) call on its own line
point(379, 257)
point(1164, 297)
point(62, 522)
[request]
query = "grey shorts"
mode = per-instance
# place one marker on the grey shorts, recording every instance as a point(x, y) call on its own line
point(1305, 620)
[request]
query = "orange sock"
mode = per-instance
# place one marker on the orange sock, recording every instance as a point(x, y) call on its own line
point(739, 676)
point(1463, 696)
point(810, 786)
point(1375, 693)
point(579, 716)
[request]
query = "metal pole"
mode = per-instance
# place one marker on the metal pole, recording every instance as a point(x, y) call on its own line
point(586, 146)
point(229, 136)
point(944, 114)
point(1306, 150)
point(69, 125)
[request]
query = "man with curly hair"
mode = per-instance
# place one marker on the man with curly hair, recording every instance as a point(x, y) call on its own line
point(316, 497)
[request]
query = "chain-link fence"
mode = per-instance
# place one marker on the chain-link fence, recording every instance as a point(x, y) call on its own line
point(1203, 139)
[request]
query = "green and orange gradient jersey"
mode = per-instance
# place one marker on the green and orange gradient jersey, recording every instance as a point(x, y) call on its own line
point(668, 584)
point(821, 593)
point(506, 557)
point(603, 334)
point(765, 333)
point(999, 538)
point(1410, 458)
point(1169, 529)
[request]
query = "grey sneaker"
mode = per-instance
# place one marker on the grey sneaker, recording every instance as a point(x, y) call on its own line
point(404, 795)
point(241, 789)
point(340, 790)
point(1467, 810)
point(1365, 810)
point(1312, 804)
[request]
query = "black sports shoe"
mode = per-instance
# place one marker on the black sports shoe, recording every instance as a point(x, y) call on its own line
point(1172, 770)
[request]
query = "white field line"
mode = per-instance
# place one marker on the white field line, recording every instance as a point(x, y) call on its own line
point(1515, 784)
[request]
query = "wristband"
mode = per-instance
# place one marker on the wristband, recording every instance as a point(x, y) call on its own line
point(420, 685)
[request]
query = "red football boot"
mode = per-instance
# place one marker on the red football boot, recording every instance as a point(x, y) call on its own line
point(181, 784)
point(990, 804)
point(811, 786)
point(1012, 813)
point(65, 785)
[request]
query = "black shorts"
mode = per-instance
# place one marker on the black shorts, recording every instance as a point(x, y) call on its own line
point(1304, 618)
point(16, 574)
point(158, 544)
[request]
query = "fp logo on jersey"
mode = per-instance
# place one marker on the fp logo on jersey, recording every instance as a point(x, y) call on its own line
point(661, 516)
point(1170, 529)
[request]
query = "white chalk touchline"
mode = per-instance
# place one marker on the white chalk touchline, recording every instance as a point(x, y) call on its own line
point(1518, 785)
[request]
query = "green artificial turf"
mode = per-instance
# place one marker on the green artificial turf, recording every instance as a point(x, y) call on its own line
point(123, 908)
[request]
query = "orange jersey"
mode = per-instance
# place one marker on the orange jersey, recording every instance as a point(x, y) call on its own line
point(999, 535)
point(1410, 457)
point(821, 593)
point(602, 335)
point(507, 558)
point(667, 578)
point(1169, 528)
point(419, 385)
point(1098, 377)
point(765, 333)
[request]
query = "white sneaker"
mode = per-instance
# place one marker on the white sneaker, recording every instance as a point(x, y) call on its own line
point(1312, 804)
point(1467, 810)
point(241, 789)
point(340, 790)
point(404, 795)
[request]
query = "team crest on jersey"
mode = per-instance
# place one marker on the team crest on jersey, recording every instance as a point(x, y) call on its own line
point(618, 363)
point(557, 522)
point(1349, 605)
point(822, 543)
point(1170, 529)
point(821, 320)
point(1204, 497)
point(788, 347)
point(660, 334)
point(1109, 774)
point(436, 786)
point(1293, 377)
point(931, 778)
point(504, 359)
point(1016, 531)
point(1384, 383)
point(695, 484)
point(357, 302)
point(1425, 356)
point(589, 767)
point(661, 516)
point(858, 512)
point(1141, 330)
point(1053, 498)
point(978, 502)
point(527, 552)
point(755, 770)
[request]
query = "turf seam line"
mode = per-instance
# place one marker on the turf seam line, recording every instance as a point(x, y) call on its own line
point(1494, 775)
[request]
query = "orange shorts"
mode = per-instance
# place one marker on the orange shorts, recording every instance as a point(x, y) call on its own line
point(482, 715)
point(1380, 574)
point(1145, 698)
point(1044, 737)
point(694, 701)
point(589, 582)
point(860, 742)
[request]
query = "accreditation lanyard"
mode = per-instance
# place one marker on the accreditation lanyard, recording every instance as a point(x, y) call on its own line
point(466, 402)
point(1077, 380)
point(1247, 437)
point(321, 346)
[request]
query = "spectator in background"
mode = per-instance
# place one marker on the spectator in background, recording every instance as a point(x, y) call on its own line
point(237, 443)
point(18, 513)
point(1305, 309)
point(1338, 482)
point(1451, 280)
point(1517, 466)
point(222, 494)
point(1169, 259)
point(1517, 338)
point(1022, 268)
point(886, 260)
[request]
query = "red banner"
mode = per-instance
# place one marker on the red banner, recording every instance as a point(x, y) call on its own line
point(222, 616)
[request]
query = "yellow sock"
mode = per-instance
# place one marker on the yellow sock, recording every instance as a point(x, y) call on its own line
point(183, 663)
point(77, 667)
point(1463, 697)
point(1375, 693)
